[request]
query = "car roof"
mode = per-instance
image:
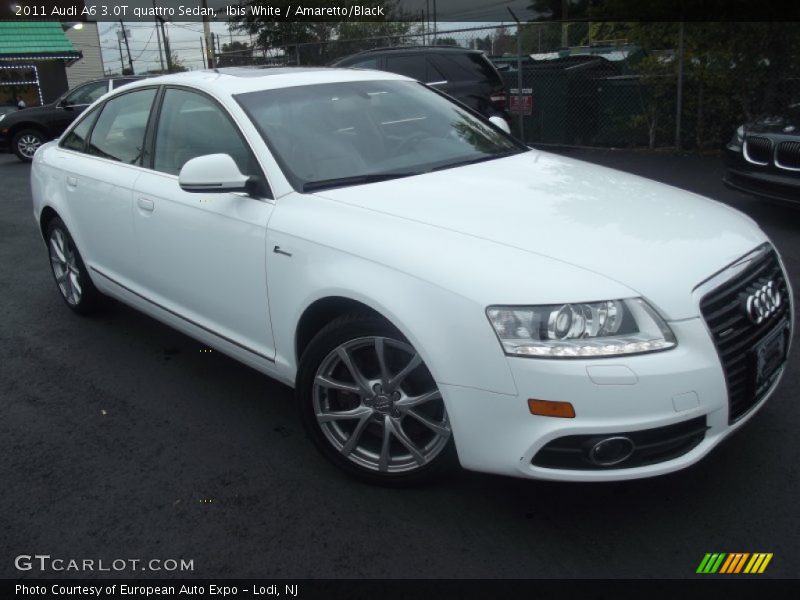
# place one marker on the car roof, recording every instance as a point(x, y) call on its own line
point(238, 80)
point(410, 50)
point(422, 50)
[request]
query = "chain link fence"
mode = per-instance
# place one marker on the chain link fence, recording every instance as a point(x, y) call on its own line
point(649, 85)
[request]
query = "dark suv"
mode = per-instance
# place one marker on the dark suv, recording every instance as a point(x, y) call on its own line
point(467, 75)
point(23, 131)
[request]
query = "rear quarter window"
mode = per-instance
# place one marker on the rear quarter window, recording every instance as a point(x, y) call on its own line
point(117, 83)
point(76, 139)
point(467, 67)
point(364, 63)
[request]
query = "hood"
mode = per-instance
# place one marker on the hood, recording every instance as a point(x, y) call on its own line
point(789, 122)
point(655, 239)
point(27, 113)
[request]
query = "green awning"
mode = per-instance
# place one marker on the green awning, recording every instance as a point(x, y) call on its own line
point(35, 40)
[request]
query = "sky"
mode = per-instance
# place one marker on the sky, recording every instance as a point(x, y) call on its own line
point(185, 41)
point(185, 37)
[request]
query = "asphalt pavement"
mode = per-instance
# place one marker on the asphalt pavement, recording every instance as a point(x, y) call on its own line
point(121, 439)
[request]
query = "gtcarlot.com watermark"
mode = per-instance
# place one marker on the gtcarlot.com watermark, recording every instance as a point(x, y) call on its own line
point(45, 563)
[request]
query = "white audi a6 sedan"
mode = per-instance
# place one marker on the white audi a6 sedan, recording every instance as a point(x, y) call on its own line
point(435, 292)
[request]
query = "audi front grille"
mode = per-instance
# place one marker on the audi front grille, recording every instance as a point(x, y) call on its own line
point(746, 315)
point(758, 150)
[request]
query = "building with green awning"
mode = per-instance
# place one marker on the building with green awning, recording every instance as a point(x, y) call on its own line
point(34, 56)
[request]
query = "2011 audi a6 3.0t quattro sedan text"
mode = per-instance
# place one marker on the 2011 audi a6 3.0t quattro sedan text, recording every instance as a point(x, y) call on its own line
point(434, 291)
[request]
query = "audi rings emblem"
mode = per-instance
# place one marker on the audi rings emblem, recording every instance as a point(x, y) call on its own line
point(763, 302)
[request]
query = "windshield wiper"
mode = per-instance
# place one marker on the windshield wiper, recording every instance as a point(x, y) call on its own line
point(480, 159)
point(325, 184)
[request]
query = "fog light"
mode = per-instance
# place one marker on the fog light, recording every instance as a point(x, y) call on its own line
point(611, 451)
point(549, 408)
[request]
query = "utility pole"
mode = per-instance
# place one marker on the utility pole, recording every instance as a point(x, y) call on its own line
point(519, 76)
point(435, 23)
point(166, 45)
point(127, 47)
point(564, 24)
point(121, 60)
point(427, 21)
point(679, 99)
point(158, 37)
point(209, 41)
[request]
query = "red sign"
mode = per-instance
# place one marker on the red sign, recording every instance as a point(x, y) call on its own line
point(520, 104)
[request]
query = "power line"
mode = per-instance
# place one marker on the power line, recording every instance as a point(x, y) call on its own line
point(147, 43)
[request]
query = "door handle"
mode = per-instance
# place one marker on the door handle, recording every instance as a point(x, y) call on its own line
point(146, 204)
point(72, 181)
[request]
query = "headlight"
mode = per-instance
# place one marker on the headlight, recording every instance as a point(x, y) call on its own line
point(3, 116)
point(607, 328)
point(738, 137)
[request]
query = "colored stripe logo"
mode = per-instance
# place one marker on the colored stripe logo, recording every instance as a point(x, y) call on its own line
point(734, 563)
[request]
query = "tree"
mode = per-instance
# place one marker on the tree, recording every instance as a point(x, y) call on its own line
point(732, 71)
point(176, 62)
point(355, 36)
point(446, 41)
point(235, 54)
point(308, 40)
point(555, 9)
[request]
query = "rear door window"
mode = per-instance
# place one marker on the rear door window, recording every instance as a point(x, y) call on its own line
point(419, 67)
point(410, 66)
point(119, 131)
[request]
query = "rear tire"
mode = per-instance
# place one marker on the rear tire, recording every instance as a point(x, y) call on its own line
point(25, 143)
point(371, 406)
point(69, 271)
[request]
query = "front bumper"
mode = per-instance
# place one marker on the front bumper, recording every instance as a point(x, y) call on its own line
point(496, 433)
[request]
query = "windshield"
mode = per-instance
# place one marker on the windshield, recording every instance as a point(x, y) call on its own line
point(338, 134)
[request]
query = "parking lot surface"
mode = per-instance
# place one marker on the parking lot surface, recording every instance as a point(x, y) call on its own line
point(121, 438)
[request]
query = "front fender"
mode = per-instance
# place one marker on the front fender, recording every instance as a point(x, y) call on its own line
point(451, 332)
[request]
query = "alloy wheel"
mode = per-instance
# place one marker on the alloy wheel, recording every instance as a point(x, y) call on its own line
point(28, 144)
point(378, 405)
point(63, 260)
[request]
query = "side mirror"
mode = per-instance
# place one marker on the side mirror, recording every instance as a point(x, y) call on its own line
point(213, 173)
point(500, 123)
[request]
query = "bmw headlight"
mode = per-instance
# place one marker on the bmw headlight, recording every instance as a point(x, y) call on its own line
point(738, 136)
point(582, 329)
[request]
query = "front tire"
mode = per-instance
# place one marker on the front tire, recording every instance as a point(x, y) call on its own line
point(69, 271)
point(370, 405)
point(26, 142)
